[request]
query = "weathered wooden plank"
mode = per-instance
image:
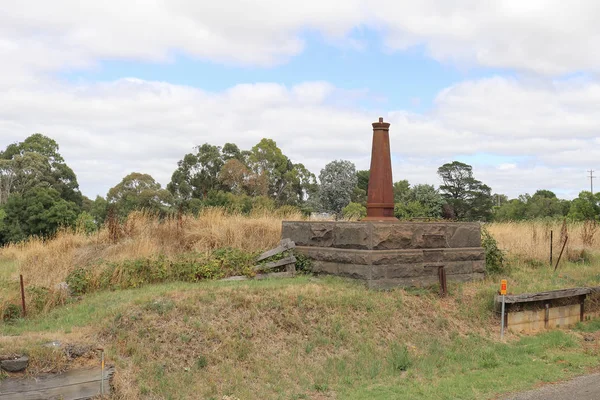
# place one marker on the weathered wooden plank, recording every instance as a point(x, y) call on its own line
point(541, 296)
point(236, 278)
point(72, 385)
point(275, 275)
point(284, 245)
point(275, 264)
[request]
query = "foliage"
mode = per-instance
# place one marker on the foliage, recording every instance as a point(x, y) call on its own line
point(401, 191)
point(79, 281)
point(469, 198)
point(543, 204)
point(338, 180)
point(585, 207)
point(85, 223)
point(494, 256)
point(38, 212)
point(11, 313)
point(138, 192)
point(303, 263)
point(186, 267)
point(36, 162)
point(354, 211)
point(420, 201)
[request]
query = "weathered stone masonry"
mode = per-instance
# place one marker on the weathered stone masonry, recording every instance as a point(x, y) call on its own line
point(390, 254)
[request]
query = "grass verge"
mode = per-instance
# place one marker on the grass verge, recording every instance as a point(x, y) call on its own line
point(303, 338)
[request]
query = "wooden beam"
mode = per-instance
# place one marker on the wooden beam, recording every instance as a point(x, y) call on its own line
point(541, 296)
point(71, 385)
point(284, 274)
point(275, 264)
point(284, 245)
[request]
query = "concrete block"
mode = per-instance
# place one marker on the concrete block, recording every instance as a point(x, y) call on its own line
point(309, 233)
point(355, 271)
point(467, 234)
point(408, 271)
point(466, 254)
point(352, 235)
point(390, 236)
point(458, 267)
point(379, 257)
point(433, 255)
point(325, 267)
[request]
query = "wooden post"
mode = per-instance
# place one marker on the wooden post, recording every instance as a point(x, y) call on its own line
point(23, 296)
point(551, 234)
point(561, 252)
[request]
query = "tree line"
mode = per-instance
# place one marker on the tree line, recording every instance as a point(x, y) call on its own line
point(39, 192)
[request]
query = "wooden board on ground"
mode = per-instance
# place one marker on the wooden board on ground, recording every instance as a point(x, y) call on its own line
point(275, 264)
point(551, 295)
point(72, 385)
point(284, 245)
point(259, 277)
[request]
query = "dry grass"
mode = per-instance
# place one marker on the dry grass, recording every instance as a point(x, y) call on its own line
point(48, 262)
point(531, 239)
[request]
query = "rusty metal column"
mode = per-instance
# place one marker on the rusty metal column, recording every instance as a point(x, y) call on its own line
point(380, 200)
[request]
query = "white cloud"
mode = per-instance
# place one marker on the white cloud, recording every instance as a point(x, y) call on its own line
point(549, 36)
point(107, 130)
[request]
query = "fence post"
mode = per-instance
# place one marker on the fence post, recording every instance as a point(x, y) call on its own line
point(23, 296)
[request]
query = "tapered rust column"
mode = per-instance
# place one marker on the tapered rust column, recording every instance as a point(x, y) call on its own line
point(380, 201)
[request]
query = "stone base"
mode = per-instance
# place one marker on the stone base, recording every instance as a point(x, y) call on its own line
point(390, 254)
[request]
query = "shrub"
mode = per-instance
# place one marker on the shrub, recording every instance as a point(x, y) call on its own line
point(494, 257)
point(303, 263)
point(79, 281)
point(11, 313)
point(354, 211)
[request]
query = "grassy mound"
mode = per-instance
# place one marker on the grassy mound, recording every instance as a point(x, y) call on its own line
point(302, 338)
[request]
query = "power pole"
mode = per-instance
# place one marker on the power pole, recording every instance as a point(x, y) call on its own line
point(592, 177)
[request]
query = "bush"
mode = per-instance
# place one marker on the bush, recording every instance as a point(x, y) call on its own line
point(11, 313)
point(494, 257)
point(79, 281)
point(303, 263)
point(354, 211)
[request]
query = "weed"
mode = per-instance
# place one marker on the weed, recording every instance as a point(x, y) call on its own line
point(201, 362)
point(494, 257)
point(399, 358)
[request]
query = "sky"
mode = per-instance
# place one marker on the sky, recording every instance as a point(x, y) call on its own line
point(509, 87)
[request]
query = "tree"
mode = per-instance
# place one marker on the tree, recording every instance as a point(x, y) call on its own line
point(39, 211)
point(420, 201)
point(585, 207)
point(138, 191)
point(543, 204)
point(36, 162)
point(401, 191)
point(469, 198)
point(198, 173)
point(338, 180)
point(266, 159)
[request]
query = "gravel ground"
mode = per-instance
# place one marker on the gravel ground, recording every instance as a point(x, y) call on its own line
point(582, 388)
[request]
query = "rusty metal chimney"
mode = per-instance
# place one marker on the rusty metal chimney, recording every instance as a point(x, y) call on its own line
point(380, 200)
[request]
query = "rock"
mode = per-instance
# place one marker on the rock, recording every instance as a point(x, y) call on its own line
point(77, 350)
point(15, 365)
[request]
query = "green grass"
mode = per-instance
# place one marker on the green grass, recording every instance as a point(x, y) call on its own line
point(303, 338)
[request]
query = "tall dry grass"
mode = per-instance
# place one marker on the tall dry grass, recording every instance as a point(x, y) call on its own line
point(531, 239)
point(48, 262)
